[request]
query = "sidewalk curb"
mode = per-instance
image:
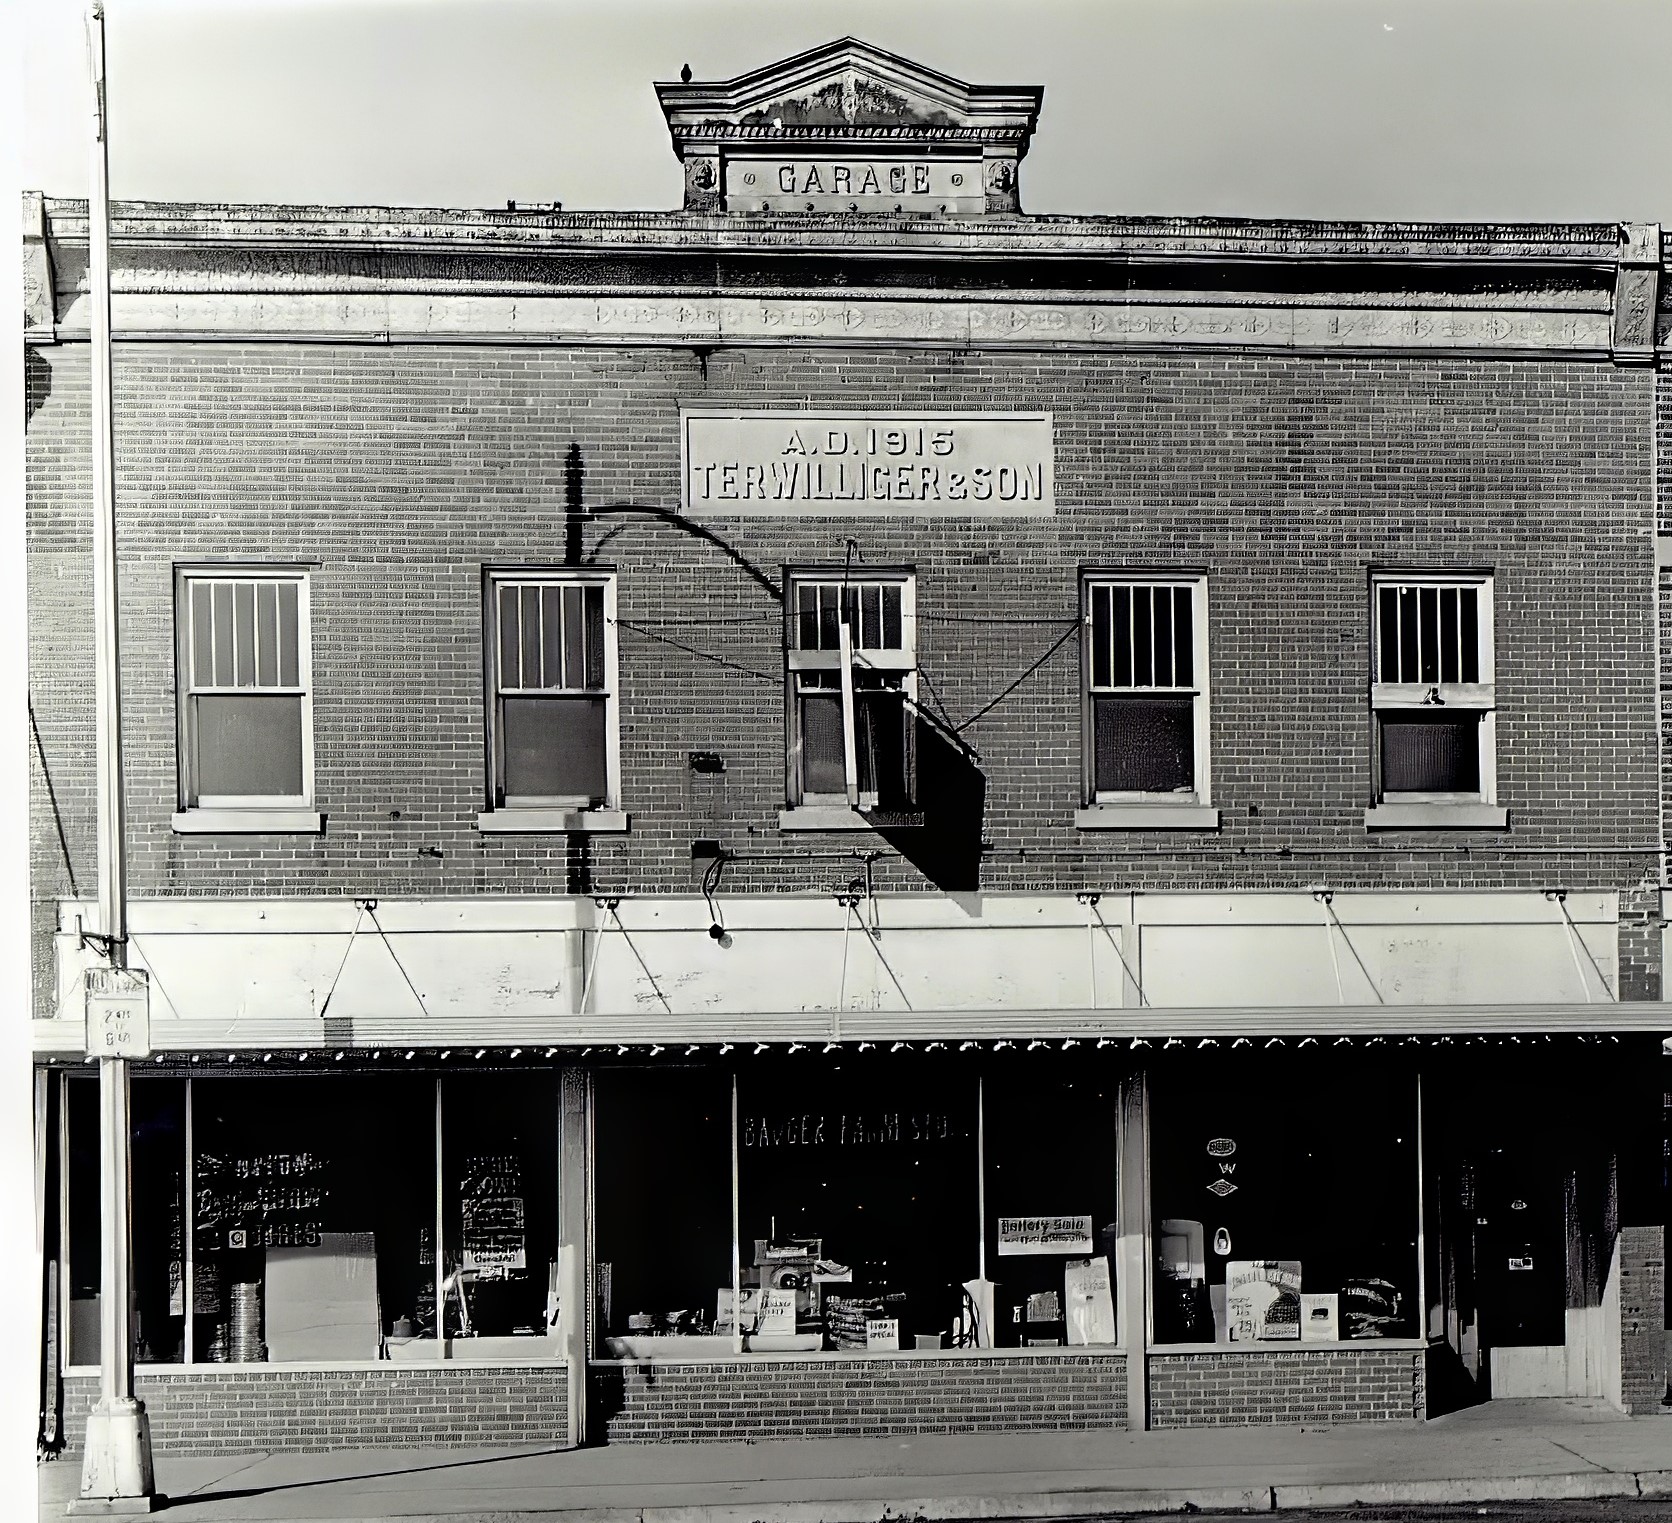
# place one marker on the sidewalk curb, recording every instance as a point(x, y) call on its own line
point(1453, 1490)
point(1017, 1507)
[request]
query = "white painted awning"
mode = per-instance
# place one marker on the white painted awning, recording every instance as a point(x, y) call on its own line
point(320, 974)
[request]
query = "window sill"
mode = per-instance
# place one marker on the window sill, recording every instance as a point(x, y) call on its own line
point(1147, 817)
point(248, 822)
point(1436, 817)
point(552, 821)
point(829, 818)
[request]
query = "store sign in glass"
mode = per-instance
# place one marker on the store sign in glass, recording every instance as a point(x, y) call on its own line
point(908, 464)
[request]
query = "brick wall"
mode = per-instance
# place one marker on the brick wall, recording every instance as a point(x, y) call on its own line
point(857, 1398)
point(398, 472)
point(1316, 1386)
point(229, 1410)
point(1643, 1341)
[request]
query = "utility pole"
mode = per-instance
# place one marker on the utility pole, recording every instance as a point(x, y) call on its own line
point(116, 1475)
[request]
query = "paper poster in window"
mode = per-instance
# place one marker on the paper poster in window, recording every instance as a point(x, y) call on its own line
point(1262, 1300)
point(1088, 1294)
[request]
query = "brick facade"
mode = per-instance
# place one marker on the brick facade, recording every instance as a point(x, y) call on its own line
point(1643, 1340)
point(858, 1398)
point(1321, 1386)
point(250, 1407)
point(399, 473)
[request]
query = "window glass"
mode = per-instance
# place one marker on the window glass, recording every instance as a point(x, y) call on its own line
point(156, 1114)
point(1052, 1182)
point(857, 1188)
point(314, 1213)
point(500, 1226)
point(663, 1203)
point(555, 748)
point(249, 747)
point(1277, 1221)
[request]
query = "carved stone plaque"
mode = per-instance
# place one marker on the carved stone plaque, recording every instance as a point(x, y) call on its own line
point(931, 465)
point(837, 184)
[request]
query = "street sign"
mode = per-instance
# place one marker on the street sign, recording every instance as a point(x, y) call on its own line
point(118, 1013)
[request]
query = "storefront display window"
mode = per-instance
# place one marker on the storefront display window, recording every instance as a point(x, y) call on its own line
point(1285, 1200)
point(1051, 1186)
point(315, 1205)
point(500, 1229)
point(312, 1196)
point(859, 1218)
point(664, 1204)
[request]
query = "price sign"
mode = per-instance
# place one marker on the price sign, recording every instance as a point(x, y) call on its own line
point(118, 1013)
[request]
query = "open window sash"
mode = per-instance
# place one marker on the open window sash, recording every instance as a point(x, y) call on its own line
point(855, 733)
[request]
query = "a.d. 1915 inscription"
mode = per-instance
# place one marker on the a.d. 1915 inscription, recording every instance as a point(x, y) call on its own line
point(866, 464)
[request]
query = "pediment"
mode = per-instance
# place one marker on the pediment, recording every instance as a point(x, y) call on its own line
point(847, 85)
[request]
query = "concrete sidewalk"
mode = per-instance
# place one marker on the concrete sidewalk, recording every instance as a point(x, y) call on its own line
point(1502, 1451)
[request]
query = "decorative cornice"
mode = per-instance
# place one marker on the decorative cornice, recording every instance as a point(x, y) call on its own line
point(364, 227)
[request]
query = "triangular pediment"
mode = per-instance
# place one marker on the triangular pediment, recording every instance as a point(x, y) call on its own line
point(848, 83)
point(849, 98)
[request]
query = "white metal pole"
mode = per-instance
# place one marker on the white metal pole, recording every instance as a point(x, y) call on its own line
point(116, 1471)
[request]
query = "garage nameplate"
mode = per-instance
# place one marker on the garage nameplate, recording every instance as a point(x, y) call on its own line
point(906, 464)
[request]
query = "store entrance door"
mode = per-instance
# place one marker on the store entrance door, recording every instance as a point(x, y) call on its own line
point(1522, 1269)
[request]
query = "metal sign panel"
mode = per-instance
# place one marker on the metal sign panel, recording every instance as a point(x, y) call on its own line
point(906, 464)
point(118, 1013)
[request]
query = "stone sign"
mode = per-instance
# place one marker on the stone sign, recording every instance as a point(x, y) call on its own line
point(854, 184)
point(866, 464)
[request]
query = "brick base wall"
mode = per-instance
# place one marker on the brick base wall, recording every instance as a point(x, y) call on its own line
point(856, 1398)
point(1643, 1341)
point(1315, 1386)
point(229, 1410)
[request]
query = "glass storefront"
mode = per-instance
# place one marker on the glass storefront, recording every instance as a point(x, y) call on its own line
point(1284, 1199)
point(315, 1205)
point(884, 1201)
point(851, 1202)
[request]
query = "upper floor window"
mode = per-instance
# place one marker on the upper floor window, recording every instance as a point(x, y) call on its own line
point(1146, 729)
point(246, 712)
point(1432, 689)
point(851, 659)
point(552, 710)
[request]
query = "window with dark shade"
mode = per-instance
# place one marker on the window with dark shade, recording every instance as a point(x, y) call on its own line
point(552, 700)
point(245, 718)
point(1144, 689)
point(1432, 689)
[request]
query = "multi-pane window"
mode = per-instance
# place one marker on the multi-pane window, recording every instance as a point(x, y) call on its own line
point(850, 649)
point(1432, 692)
point(246, 713)
point(1146, 687)
point(551, 644)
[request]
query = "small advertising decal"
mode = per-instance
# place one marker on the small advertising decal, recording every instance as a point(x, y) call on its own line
point(1044, 1234)
point(1320, 1317)
point(1262, 1300)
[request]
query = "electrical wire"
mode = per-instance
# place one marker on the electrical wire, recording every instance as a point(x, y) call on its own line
point(692, 650)
point(1067, 635)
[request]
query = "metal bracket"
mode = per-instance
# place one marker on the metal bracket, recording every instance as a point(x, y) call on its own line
point(1088, 896)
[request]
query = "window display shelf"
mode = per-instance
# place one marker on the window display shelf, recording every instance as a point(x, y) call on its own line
point(1289, 1346)
point(862, 1356)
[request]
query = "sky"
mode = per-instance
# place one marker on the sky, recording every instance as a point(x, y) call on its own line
point(1364, 109)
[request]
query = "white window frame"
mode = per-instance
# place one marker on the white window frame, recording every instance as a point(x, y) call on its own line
point(1174, 809)
point(1403, 697)
point(848, 806)
point(556, 811)
point(241, 811)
